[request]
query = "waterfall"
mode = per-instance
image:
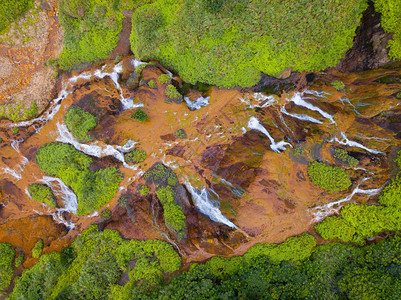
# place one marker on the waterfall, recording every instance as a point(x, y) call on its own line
point(301, 117)
point(297, 99)
point(198, 103)
point(206, 207)
point(346, 142)
point(261, 100)
point(276, 147)
point(321, 212)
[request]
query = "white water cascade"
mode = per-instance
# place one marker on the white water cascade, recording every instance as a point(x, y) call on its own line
point(321, 212)
point(276, 147)
point(206, 207)
point(346, 142)
point(298, 100)
point(198, 103)
point(301, 117)
point(258, 100)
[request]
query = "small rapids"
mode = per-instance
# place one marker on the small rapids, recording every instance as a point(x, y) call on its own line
point(198, 103)
point(207, 207)
point(298, 100)
point(346, 142)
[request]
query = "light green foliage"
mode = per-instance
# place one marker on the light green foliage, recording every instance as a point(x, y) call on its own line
point(180, 133)
point(344, 157)
point(37, 249)
point(390, 21)
point(172, 93)
point(7, 254)
point(143, 189)
point(17, 113)
point(19, 260)
point(229, 43)
point(164, 79)
point(152, 84)
point(92, 267)
point(338, 85)
point(135, 156)
point(299, 151)
point(105, 214)
point(331, 179)
point(93, 189)
point(42, 193)
point(15, 130)
point(139, 115)
point(174, 217)
point(12, 10)
point(161, 176)
point(398, 95)
point(79, 122)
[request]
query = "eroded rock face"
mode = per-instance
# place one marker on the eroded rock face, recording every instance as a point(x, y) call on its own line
point(255, 171)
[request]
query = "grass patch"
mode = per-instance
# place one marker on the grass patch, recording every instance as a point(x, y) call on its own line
point(139, 115)
point(180, 133)
point(18, 113)
point(172, 94)
point(343, 156)
point(135, 156)
point(12, 10)
point(331, 179)
point(42, 193)
point(37, 249)
point(7, 254)
point(79, 122)
point(164, 79)
point(143, 189)
point(338, 85)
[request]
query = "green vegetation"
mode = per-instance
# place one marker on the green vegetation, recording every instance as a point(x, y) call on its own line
point(174, 217)
point(161, 176)
point(79, 122)
point(7, 254)
point(143, 189)
point(338, 85)
point(37, 249)
point(164, 79)
point(331, 179)
point(180, 133)
point(398, 95)
point(343, 156)
point(299, 151)
point(152, 84)
point(11, 10)
point(105, 214)
point(358, 222)
point(15, 130)
point(229, 43)
point(390, 21)
point(42, 193)
point(139, 115)
point(92, 267)
point(135, 156)
point(19, 260)
point(18, 113)
point(93, 189)
point(172, 94)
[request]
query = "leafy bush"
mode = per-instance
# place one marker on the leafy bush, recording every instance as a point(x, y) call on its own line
point(37, 249)
point(390, 21)
point(331, 179)
point(229, 43)
point(139, 115)
point(79, 122)
point(7, 254)
point(42, 193)
point(12, 10)
point(19, 260)
point(338, 85)
point(180, 133)
point(93, 189)
point(172, 93)
point(164, 79)
point(152, 84)
point(135, 156)
point(161, 176)
point(344, 157)
point(105, 214)
point(17, 112)
point(143, 189)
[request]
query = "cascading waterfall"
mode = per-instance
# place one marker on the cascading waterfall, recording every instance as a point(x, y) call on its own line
point(321, 212)
point(298, 100)
point(198, 103)
point(301, 117)
point(346, 142)
point(276, 147)
point(206, 207)
point(260, 99)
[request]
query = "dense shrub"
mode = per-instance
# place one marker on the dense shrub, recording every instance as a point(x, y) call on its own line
point(164, 79)
point(79, 122)
point(331, 179)
point(161, 176)
point(338, 85)
point(93, 189)
point(172, 94)
point(12, 10)
point(19, 260)
point(37, 249)
point(7, 254)
point(152, 84)
point(139, 115)
point(143, 189)
point(105, 214)
point(135, 156)
point(229, 43)
point(42, 193)
point(390, 21)
point(180, 133)
point(344, 157)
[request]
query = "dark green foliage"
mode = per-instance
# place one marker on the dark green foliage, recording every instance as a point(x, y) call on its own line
point(338, 85)
point(7, 254)
point(19, 260)
point(12, 10)
point(229, 43)
point(180, 133)
point(135, 156)
point(15, 129)
point(37, 249)
point(79, 122)
point(390, 21)
point(123, 201)
point(139, 115)
point(172, 93)
point(152, 84)
point(331, 179)
point(161, 176)
point(143, 189)
point(42, 193)
point(93, 265)
point(105, 214)
point(344, 157)
point(164, 79)
point(93, 189)
point(174, 217)
point(398, 95)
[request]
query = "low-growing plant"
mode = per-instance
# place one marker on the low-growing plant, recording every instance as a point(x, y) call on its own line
point(42, 193)
point(37, 249)
point(160, 175)
point(338, 85)
point(79, 122)
point(331, 179)
point(139, 115)
point(164, 79)
point(143, 189)
point(344, 157)
point(7, 254)
point(298, 151)
point(135, 156)
point(152, 84)
point(180, 133)
point(11, 10)
point(172, 93)
point(105, 214)
point(19, 260)
point(398, 95)
point(15, 130)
